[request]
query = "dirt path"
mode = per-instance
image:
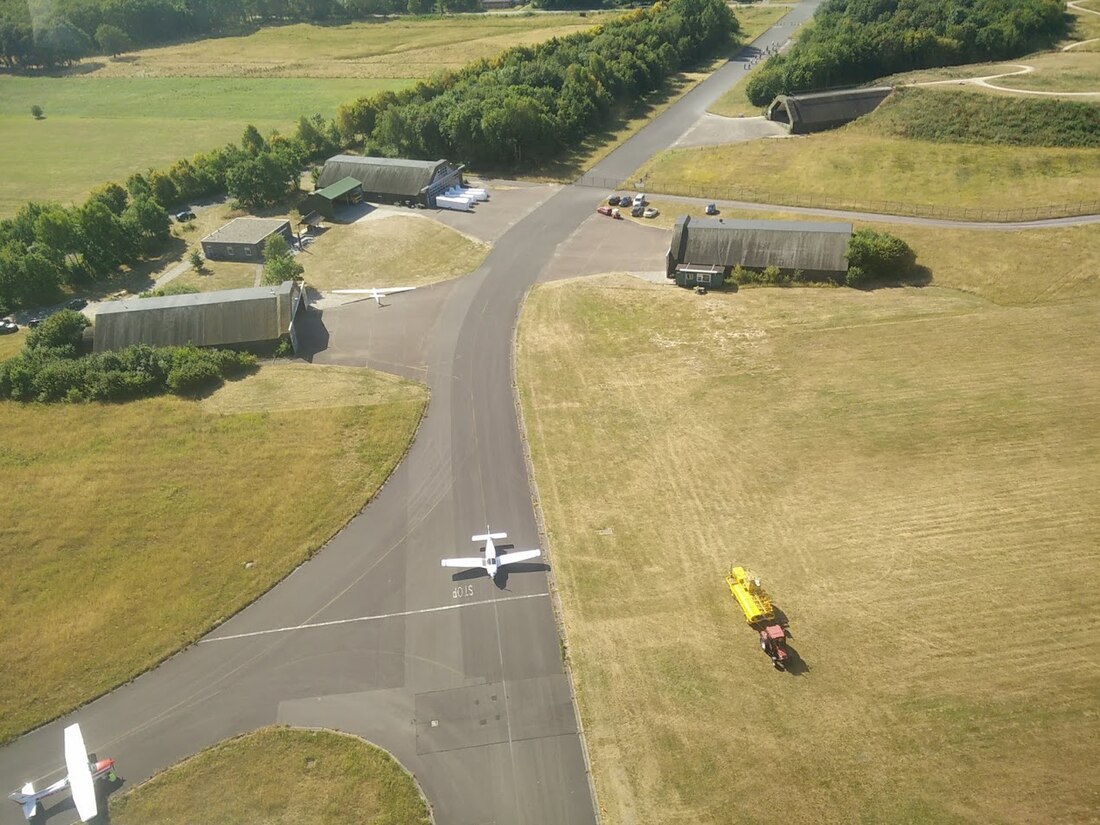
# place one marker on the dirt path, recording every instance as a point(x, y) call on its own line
point(1021, 69)
point(1078, 7)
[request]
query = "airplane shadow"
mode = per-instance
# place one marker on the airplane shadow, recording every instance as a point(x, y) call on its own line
point(519, 567)
point(464, 575)
point(103, 790)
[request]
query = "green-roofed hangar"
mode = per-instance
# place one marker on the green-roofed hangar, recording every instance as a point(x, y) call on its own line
point(393, 180)
point(325, 201)
point(704, 250)
point(253, 318)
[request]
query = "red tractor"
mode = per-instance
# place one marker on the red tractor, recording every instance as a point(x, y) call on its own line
point(773, 641)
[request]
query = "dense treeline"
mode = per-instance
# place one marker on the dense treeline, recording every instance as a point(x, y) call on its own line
point(972, 117)
point(46, 246)
point(526, 105)
point(52, 367)
point(530, 102)
point(853, 41)
point(38, 34)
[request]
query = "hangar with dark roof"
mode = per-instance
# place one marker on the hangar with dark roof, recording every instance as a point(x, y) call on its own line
point(705, 250)
point(252, 318)
point(393, 180)
point(825, 110)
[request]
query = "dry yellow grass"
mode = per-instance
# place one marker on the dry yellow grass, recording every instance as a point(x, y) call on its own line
point(277, 776)
point(398, 48)
point(143, 515)
point(911, 472)
point(854, 168)
point(391, 250)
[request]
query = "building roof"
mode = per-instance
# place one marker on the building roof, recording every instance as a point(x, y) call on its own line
point(339, 189)
point(825, 109)
point(228, 316)
point(395, 176)
point(246, 231)
point(805, 245)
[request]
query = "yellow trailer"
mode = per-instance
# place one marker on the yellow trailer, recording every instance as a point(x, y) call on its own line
point(754, 602)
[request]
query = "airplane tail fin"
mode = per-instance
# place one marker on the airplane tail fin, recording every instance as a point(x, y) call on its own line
point(487, 536)
point(27, 799)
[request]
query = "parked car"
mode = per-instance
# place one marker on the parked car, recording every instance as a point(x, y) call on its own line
point(613, 200)
point(7, 327)
point(77, 304)
point(33, 322)
point(712, 209)
point(637, 211)
point(604, 210)
point(650, 212)
point(185, 216)
point(639, 199)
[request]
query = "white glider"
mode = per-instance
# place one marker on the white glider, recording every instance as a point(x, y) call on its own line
point(376, 293)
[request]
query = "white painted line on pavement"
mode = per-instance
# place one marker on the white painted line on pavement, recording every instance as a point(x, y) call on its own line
point(371, 618)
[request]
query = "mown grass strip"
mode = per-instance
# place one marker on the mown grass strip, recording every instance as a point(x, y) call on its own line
point(279, 776)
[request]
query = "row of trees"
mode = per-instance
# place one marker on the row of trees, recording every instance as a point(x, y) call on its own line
point(46, 246)
point(530, 102)
point(853, 41)
point(526, 105)
point(36, 34)
point(52, 367)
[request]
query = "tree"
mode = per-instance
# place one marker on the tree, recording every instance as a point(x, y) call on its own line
point(195, 260)
point(877, 256)
point(252, 141)
point(62, 332)
point(262, 180)
point(146, 221)
point(279, 263)
point(36, 112)
point(113, 40)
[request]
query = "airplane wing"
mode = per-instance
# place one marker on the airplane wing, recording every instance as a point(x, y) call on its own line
point(519, 555)
point(80, 774)
point(487, 536)
point(475, 561)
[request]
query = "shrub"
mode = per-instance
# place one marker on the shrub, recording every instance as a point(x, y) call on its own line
point(170, 289)
point(63, 332)
point(37, 112)
point(191, 376)
point(878, 256)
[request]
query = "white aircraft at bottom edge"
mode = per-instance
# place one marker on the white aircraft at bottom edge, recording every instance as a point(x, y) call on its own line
point(81, 779)
point(377, 293)
point(491, 562)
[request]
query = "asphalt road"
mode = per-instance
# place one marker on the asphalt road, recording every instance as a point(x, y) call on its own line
point(461, 680)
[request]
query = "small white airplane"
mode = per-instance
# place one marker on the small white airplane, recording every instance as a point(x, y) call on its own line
point(81, 778)
point(377, 293)
point(491, 562)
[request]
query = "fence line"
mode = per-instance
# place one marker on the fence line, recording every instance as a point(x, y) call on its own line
point(977, 214)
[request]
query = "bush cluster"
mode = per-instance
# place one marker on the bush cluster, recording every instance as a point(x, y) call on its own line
point(972, 117)
point(530, 102)
point(46, 246)
point(51, 368)
point(878, 257)
point(853, 41)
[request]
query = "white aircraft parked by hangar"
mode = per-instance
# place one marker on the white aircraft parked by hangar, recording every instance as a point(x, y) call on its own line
point(491, 562)
point(81, 778)
point(376, 293)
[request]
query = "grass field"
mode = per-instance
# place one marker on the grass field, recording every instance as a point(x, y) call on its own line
point(97, 130)
point(396, 48)
point(278, 776)
point(912, 474)
point(109, 119)
point(853, 167)
point(396, 250)
point(1073, 71)
point(113, 506)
